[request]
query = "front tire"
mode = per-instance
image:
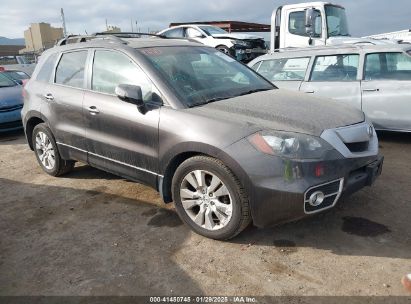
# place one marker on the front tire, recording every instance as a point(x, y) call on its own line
point(47, 154)
point(210, 199)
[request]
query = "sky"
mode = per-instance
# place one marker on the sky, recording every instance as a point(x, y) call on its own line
point(365, 17)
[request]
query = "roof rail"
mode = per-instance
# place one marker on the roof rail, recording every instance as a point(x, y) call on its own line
point(114, 37)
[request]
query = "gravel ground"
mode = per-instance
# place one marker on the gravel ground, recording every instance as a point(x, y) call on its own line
point(93, 233)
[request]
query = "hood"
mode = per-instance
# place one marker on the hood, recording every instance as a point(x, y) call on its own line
point(282, 110)
point(11, 96)
point(236, 36)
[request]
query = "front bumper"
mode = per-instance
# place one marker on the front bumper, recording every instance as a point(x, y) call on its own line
point(280, 189)
point(10, 119)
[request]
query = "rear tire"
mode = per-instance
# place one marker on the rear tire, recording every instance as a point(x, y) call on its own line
point(210, 199)
point(47, 153)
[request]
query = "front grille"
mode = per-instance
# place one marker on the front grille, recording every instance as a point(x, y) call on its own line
point(332, 191)
point(358, 146)
point(256, 43)
point(11, 124)
point(11, 108)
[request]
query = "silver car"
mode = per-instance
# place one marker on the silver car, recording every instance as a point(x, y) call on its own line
point(373, 78)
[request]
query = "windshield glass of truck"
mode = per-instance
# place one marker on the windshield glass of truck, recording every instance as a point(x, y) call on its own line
point(201, 75)
point(336, 21)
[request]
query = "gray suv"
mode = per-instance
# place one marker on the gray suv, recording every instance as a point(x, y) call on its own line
point(204, 130)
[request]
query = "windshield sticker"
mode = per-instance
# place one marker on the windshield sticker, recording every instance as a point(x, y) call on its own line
point(151, 52)
point(224, 56)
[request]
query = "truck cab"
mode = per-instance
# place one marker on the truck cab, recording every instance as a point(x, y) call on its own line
point(308, 24)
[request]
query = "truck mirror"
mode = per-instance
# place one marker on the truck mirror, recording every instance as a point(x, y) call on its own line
point(310, 14)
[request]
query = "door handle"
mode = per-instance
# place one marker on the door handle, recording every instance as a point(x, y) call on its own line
point(309, 92)
point(371, 90)
point(93, 110)
point(49, 97)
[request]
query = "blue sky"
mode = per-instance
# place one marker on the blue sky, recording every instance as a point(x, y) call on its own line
point(365, 16)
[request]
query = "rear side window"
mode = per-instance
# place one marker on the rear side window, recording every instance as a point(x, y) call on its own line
point(176, 33)
point(390, 66)
point(46, 70)
point(112, 68)
point(70, 70)
point(335, 68)
point(284, 68)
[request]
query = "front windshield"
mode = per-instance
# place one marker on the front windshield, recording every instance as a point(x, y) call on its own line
point(200, 75)
point(17, 75)
point(6, 82)
point(212, 30)
point(336, 21)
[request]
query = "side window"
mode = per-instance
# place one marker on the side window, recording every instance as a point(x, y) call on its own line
point(112, 68)
point(256, 66)
point(70, 70)
point(335, 68)
point(193, 33)
point(174, 33)
point(390, 66)
point(296, 24)
point(284, 68)
point(46, 70)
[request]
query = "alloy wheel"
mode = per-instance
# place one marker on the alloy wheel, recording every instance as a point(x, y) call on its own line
point(206, 200)
point(45, 150)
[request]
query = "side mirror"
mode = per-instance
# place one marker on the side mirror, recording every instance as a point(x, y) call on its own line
point(19, 81)
point(132, 94)
point(310, 14)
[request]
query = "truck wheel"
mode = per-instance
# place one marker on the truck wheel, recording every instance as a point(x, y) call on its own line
point(47, 153)
point(210, 199)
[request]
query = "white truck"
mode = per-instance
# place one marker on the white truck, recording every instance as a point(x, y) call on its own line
point(312, 24)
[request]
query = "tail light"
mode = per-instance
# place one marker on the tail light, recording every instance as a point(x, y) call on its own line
point(2, 69)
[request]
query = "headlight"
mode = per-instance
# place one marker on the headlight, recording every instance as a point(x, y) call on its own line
point(290, 145)
point(240, 42)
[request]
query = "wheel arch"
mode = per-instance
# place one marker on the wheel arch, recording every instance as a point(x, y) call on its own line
point(31, 123)
point(176, 158)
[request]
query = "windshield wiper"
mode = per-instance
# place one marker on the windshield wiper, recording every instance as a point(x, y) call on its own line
point(254, 91)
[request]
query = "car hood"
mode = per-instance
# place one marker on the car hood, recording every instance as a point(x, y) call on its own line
point(10, 96)
point(282, 110)
point(236, 36)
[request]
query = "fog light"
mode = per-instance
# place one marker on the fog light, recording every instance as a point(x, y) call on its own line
point(316, 198)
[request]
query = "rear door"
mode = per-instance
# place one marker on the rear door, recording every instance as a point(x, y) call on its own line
point(120, 139)
point(64, 102)
point(386, 90)
point(335, 77)
point(285, 73)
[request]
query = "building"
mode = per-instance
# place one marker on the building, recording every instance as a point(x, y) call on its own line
point(112, 29)
point(40, 36)
point(404, 35)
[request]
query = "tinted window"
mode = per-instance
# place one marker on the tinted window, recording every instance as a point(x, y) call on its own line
point(177, 33)
point(70, 70)
point(112, 68)
point(8, 60)
point(6, 82)
point(47, 69)
point(17, 75)
point(284, 69)
point(297, 24)
point(395, 66)
point(200, 75)
point(335, 68)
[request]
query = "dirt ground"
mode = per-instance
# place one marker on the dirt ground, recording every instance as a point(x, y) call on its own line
point(92, 233)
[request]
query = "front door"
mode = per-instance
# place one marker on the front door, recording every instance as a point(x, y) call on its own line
point(386, 90)
point(335, 77)
point(120, 138)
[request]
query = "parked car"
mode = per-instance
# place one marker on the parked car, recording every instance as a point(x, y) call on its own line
point(243, 47)
point(204, 130)
point(16, 63)
point(18, 76)
point(11, 103)
point(373, 78)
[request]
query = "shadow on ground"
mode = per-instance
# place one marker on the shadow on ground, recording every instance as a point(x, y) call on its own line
point(64, 241)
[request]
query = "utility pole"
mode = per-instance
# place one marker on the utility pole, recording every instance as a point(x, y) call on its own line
point(63, 20)
point(106, 25)
point(131, 22)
